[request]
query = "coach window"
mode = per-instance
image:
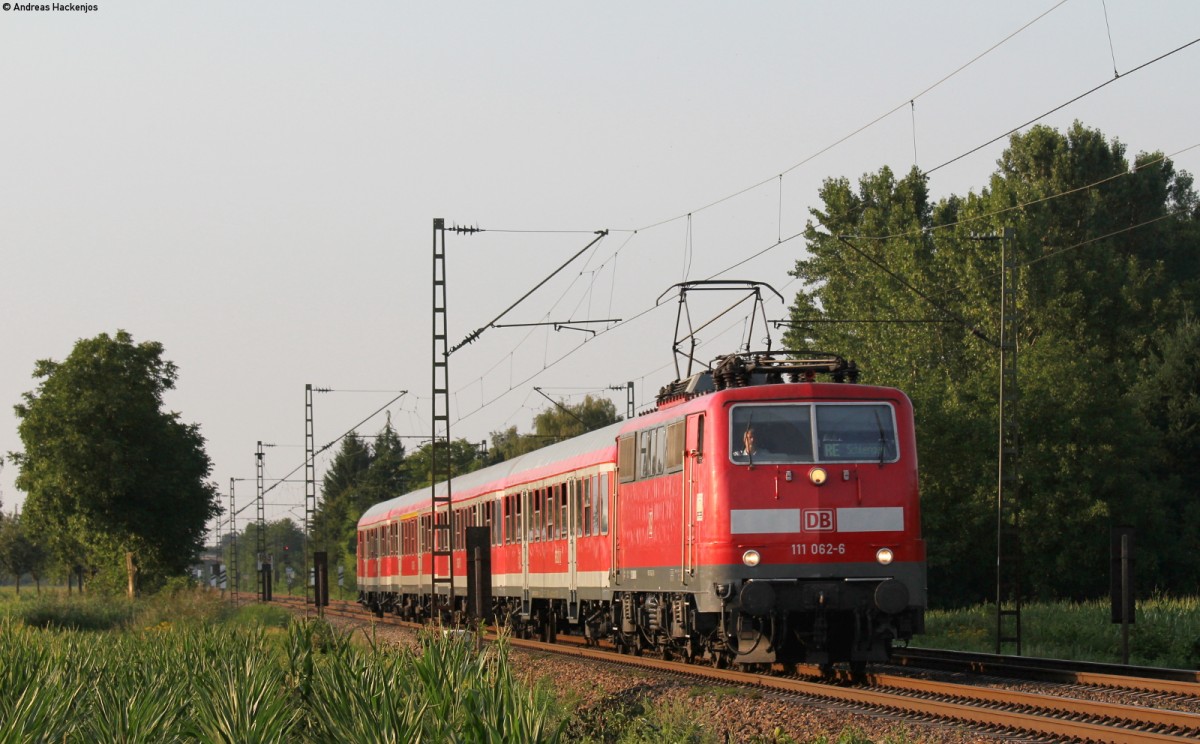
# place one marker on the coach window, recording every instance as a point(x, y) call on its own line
point(575, 498)
point(497, 522)
point(519, 515)
point(577, 491)
point(603, 498)
point(626, 458)
point(563, 511)
point(539, 516)
point(586, 499)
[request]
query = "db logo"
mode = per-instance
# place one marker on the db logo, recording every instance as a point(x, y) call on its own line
point(818, 520)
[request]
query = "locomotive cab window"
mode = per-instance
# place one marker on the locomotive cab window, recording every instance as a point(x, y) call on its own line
point(856, 433)
point(805, 433)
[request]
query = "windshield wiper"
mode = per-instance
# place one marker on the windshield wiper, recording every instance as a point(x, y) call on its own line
point(882, 439)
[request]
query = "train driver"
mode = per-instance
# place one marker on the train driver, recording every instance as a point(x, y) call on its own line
point(752, 450)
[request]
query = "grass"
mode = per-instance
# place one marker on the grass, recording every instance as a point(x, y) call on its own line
point(1166, 631)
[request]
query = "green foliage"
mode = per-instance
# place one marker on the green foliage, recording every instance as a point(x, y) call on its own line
point(20, 553)
point(359, 476)
point(1107, 365)
point(79, 613)
point(553, 425)
point(105, 466)
point(462, 456)
point(219, 683)
point(285, 544)
point(1165, 634)
point(261, 615)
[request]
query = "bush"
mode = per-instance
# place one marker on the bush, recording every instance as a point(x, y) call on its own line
point(82, 613)
point(1166, 632)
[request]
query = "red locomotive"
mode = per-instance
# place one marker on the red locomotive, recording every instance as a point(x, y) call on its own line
point(748, 520)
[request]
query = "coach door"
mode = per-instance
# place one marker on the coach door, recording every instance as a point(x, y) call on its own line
point(571, 520)
point(524, 531)
point(693, 492)
point(626, 457)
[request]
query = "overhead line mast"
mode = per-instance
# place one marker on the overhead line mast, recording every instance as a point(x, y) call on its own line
point(441, 533)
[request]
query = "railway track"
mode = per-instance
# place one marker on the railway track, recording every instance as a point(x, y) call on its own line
point(1153, 680)
point(995, 710)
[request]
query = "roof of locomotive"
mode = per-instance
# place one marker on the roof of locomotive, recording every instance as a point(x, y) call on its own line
point(517, 470)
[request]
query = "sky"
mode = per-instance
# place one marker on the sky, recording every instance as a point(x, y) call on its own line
point(254, 185)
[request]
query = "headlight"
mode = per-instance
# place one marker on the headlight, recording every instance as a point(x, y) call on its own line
point(751, 558)
point(884, 555)
point(817, 476)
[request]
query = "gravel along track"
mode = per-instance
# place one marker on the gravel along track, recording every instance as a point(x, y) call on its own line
point(601, 692)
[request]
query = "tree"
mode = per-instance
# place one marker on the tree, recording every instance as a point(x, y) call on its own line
point(339, 490)
point(510, 443)
point(19, 553)
point(464, 457)
point(1093, 297)
point(105, 466)
point(554, 425)
point(1167, 395)
point(359, 476)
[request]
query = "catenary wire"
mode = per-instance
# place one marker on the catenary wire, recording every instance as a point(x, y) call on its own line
point(1081, 96)
point(862, 128)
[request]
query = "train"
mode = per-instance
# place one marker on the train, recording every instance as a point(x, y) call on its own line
point(766, 511)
